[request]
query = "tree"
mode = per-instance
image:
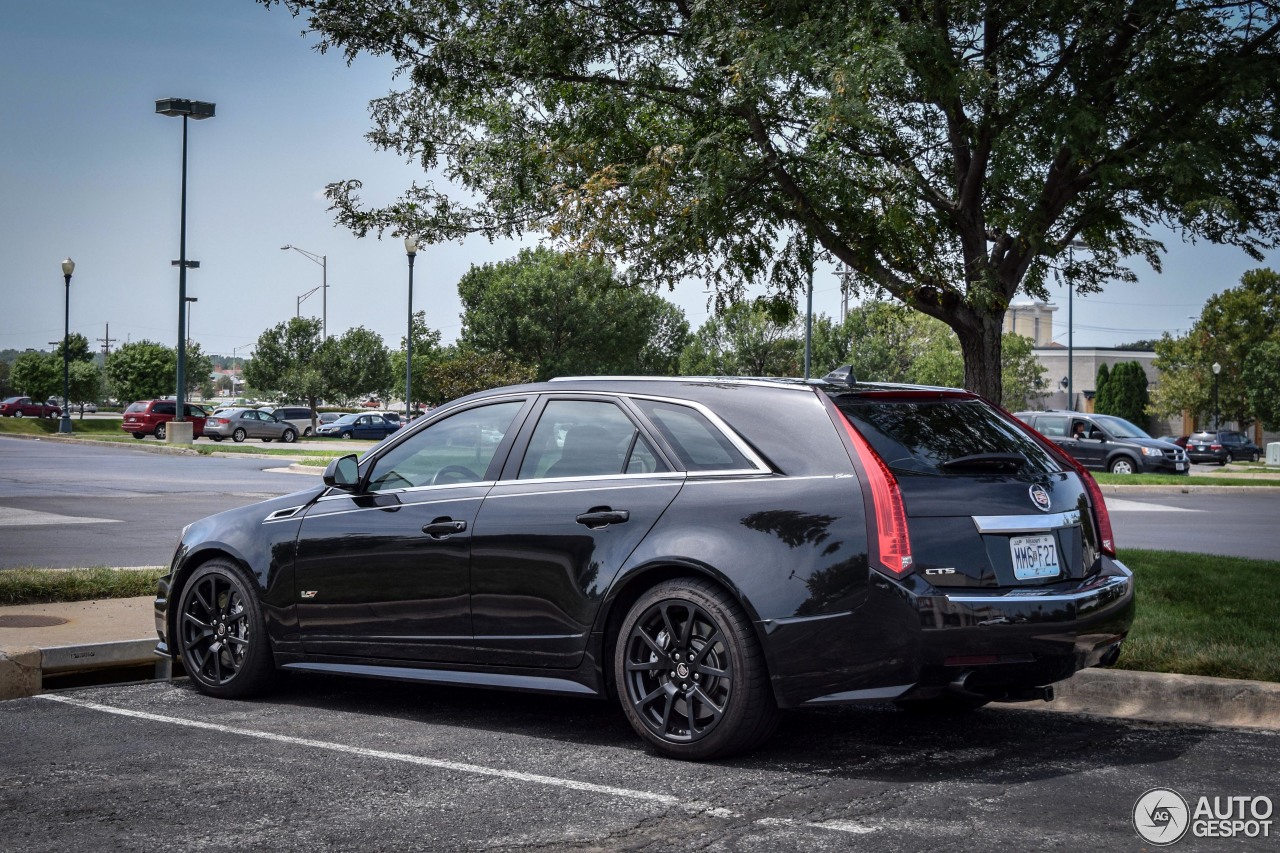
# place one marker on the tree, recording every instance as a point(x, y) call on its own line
point(945, 152)
point(287, 362)
point(568, 315)
point(1126, 393)
point(198, 370)
point(457, 372)
point(744, 340)
point(1262, 379)
point(84, 382)
point(37, 376)
point(1102, 390)
point(426, 350)
point(141, 370)
point(78, 349)
point(1022, 378)
point(1232, 326)
point(357, 364)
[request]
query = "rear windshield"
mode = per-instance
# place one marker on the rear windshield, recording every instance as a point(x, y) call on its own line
point(136, 407)
point(947, 437)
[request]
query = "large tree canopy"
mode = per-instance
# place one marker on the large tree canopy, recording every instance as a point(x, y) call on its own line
point(946, 151)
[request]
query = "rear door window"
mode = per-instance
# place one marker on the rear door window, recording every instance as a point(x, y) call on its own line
point(945, 437)
point(586, 438)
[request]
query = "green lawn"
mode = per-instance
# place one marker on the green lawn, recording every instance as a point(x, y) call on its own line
point(1187, 480)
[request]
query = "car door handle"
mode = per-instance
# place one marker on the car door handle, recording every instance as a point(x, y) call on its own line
point(442, 527)
point(603, 517)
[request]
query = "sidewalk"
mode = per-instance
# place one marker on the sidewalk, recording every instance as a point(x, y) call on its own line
point(39, 639)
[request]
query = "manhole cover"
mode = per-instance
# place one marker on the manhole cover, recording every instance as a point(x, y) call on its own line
point(30, 620)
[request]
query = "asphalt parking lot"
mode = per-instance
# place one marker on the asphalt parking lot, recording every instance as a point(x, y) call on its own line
point(340, 764)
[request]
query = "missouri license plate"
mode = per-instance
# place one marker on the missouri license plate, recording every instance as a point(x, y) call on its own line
point(1034, 556)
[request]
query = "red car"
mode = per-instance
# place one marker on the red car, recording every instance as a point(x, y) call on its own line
point(148, 417)
point(25, 407)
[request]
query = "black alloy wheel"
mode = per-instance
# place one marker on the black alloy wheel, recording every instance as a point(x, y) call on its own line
point(289, 436)
point(221, 635)
point(238, 435)
point(161, 431)
point(690, 672)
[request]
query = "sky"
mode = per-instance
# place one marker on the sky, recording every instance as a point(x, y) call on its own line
point(88, 170)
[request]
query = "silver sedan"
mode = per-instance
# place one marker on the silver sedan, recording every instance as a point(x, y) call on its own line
point(239, 424)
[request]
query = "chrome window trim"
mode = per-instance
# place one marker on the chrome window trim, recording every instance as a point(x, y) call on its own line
point(595, 484)
point(336, 494)
point(1026, 523)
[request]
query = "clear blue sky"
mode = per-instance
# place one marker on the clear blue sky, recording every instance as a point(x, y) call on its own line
point(89, 170)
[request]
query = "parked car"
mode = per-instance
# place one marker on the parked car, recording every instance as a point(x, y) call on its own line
point(358, 426)
point(1108, 443)
point(25, 407)
point(709, 551)
point(239, 424)
point(88, 408)
point(298, 416)
point(1180, 440)
point(330, 417)
point(149, 417)
point(1222, 447)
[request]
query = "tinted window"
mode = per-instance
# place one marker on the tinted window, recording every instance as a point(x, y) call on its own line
point(134, 408)
point(580, 438)
point(922, 437)
point(457, 449)
point(696, 441)
point(1054, 426)
point(164, 409)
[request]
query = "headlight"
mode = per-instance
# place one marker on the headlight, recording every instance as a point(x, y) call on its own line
point(1152, 451)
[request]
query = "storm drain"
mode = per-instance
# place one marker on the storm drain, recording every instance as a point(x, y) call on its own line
point(30, 620)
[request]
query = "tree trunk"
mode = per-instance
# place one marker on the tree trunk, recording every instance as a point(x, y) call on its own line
point(981, 345)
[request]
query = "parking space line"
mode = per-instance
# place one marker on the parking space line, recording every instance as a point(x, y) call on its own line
point(436, 763)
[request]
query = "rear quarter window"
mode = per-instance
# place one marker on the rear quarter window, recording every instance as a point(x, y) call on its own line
point(921, 436)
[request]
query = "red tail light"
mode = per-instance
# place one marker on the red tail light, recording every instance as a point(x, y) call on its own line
point(1106, 539)
point(893, 542)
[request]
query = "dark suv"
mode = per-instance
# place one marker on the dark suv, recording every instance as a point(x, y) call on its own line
point(1222, 447)
point(706, 550)
point(1108, 443)
point(149, 417)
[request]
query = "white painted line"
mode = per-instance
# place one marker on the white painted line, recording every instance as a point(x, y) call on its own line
point(436, 763)
point(13, 517)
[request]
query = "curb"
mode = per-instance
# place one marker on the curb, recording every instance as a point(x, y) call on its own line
point(23, 670)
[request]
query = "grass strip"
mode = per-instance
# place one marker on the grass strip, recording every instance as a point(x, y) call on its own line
point(1200, 614)
point(1183, 480)
point(40, 586)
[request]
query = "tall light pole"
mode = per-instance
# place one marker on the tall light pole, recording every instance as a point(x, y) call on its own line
point(1071, 359)
point(323, 261)
point(64, 425)
point(410, 249)
point(303, 298)
point(1217, 368)
point(196, 110)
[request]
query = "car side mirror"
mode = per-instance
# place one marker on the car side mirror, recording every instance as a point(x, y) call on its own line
point(342, 473)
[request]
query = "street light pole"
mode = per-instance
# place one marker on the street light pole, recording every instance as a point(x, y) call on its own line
point(410, 249)
point(64, 425)
point(1071, 246)
point(196, 110)
point(323, 261)
point(1217, 368)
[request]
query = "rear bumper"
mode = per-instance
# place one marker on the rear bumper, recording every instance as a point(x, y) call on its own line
point(998, 643)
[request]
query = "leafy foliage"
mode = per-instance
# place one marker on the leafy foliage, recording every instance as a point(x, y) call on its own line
point(287, 362)
point(945, 152)
point(460, 371)
point(357, 365)
point(1123, 392)
point(743, 341)
point(426, 350)
point(1262, 382)
point(36, 375)
point(141, 370)
point(568, 315)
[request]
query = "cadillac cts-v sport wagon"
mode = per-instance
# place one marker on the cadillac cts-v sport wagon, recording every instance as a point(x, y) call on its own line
point(708, 551)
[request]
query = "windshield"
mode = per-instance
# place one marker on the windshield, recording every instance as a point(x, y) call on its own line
point(1119, 427)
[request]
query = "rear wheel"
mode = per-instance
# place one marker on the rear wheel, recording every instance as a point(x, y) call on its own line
point(18, 414)
point(238, 435)
point(690, 672)
point(138, 434)
point(221, 633)
point(161, 432)
point(1122, 465)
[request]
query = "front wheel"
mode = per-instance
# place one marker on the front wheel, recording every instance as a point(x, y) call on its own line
point(161, 432)
point(1230, 458)
point(690, 672)
point(346, 434)
point(289, 436)
point(1122, 465)
point(19, 414)
point(221, 633)
point(1253, 456)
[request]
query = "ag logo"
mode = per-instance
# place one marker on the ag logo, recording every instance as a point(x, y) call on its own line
point(1161, 817)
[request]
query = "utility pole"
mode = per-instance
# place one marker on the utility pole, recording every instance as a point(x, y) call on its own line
point(106, 342)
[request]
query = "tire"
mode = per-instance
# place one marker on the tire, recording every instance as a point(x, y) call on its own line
point(703, 693)
point(238, 435)
point(266, 441)
point(161, 432)
point(307, 433)
point(1231, 457)
point(215, 438)
point(1122, 465)
point(289, 436)
point(346, 434)
point(19, 414)
point(1253, 456)
point(138, 435)
point(221, 633)
point(946, 705)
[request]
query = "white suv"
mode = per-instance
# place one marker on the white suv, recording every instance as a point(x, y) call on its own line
point(298, 416)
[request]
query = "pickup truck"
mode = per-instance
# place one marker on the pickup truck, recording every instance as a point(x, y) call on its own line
point(25, 407)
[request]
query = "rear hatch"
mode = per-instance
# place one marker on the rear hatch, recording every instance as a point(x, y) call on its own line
point(987, 506)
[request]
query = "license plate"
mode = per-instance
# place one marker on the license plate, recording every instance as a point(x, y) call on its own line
point(1034, 556)
point(1179, 466)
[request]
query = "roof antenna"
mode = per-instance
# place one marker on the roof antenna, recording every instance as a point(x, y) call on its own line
point(841, 376)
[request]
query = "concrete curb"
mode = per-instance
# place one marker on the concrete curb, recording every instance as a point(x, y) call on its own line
point(20, 672)
point(1167, 698)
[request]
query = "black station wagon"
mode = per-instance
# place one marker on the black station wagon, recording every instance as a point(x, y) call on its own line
point(707, 550)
